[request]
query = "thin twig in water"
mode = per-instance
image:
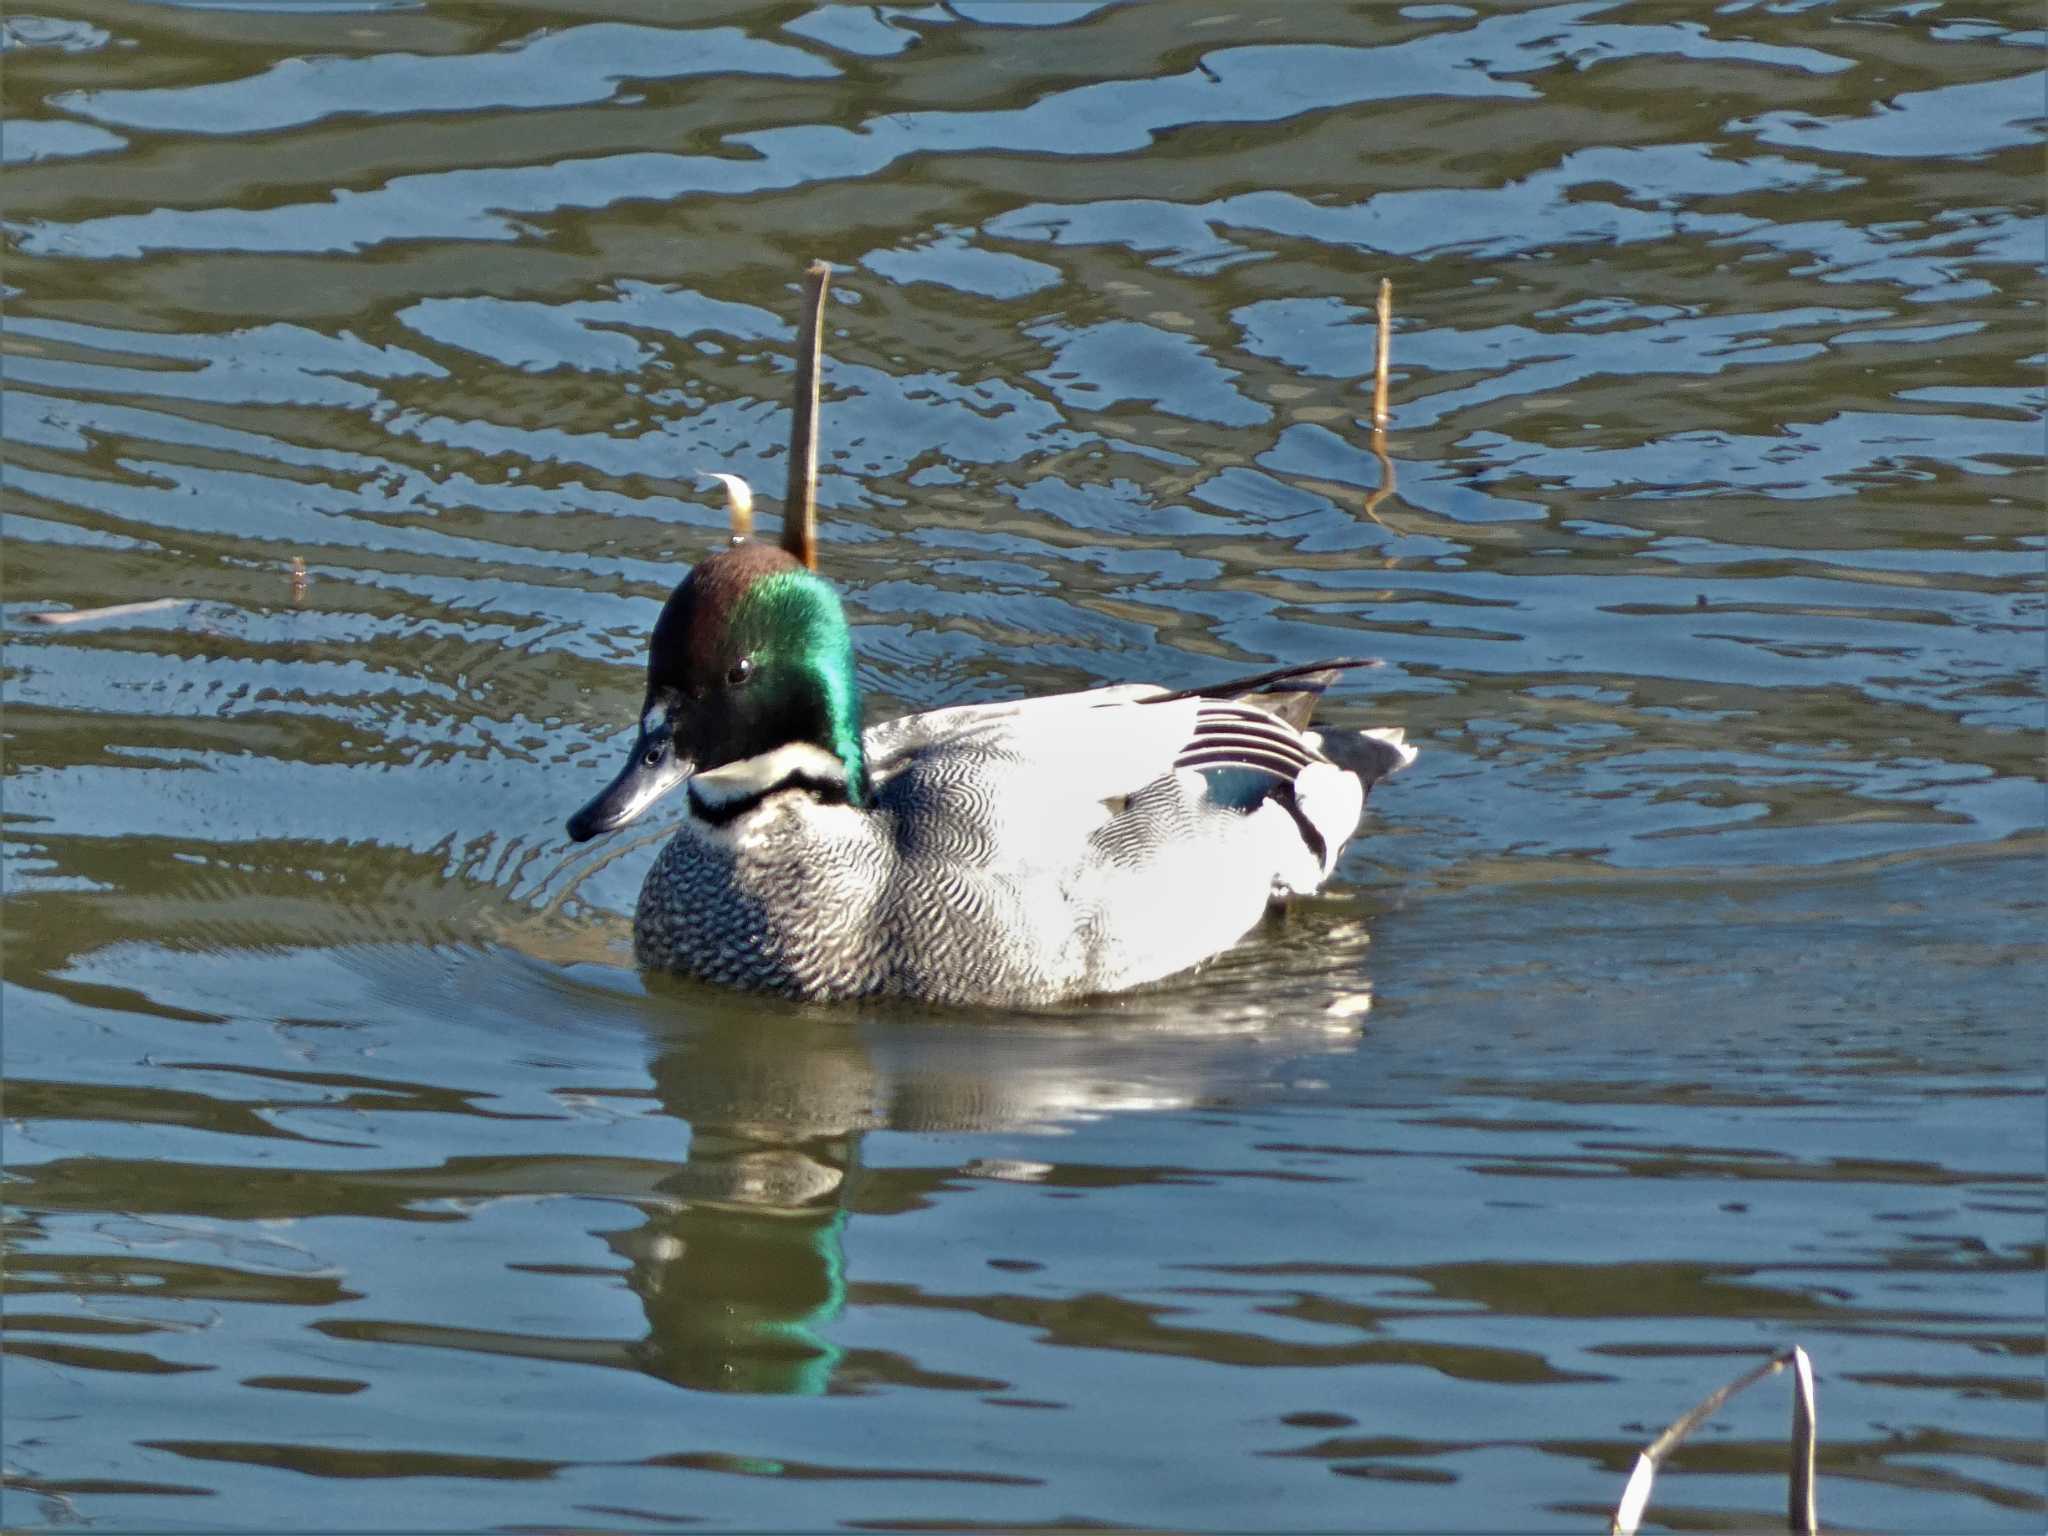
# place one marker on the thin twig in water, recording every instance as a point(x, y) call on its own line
point(116, 611)
point(1800, 1511)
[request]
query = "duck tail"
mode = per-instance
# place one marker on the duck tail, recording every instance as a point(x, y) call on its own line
point(1290, 692)
point(1370, 754)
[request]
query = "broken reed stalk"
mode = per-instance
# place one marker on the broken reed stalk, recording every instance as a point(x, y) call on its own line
point(1800, 1512)
point(800, 502)
point(1381, 349)
point(115, 611)
point(61, 616)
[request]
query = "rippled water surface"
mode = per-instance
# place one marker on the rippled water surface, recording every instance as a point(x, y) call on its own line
point(1683, 1001)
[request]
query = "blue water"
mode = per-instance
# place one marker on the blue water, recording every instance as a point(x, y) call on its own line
point(1678, 1005)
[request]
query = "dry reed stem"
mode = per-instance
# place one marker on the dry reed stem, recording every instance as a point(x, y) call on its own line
point(1381, 347)
point(115, 611)
point(800, 502)
point(1800, 1512)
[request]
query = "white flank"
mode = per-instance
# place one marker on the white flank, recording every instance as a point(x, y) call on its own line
point(1333, 801)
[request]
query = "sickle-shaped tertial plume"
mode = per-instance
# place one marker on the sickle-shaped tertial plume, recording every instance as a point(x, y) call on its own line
point(739, 502)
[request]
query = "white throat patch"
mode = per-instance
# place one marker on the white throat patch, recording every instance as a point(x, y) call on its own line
point(752, 777)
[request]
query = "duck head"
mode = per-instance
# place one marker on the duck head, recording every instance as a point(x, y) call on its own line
point(750, 683)
point(750, 689)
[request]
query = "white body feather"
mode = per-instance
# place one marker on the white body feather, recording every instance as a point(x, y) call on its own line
point(1012, 853)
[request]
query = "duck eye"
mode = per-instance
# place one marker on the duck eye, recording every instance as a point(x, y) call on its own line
point(739, 671)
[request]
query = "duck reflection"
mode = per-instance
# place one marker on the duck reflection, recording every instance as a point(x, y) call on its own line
point(743, 1277)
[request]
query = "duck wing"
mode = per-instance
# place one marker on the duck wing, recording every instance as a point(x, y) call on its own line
point(1025, 783)
point(1068, 777)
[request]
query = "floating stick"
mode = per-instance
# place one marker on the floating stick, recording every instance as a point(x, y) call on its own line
point(800, 504)
point(116, 611)
point(1800, 1513)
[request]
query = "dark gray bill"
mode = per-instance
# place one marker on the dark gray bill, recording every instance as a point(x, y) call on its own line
point(651, 772)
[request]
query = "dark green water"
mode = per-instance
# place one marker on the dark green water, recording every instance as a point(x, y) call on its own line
point(1681, 1003)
